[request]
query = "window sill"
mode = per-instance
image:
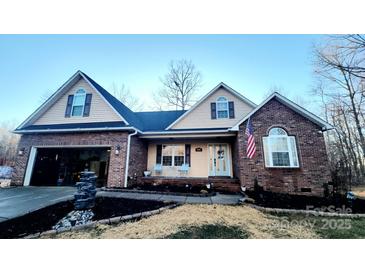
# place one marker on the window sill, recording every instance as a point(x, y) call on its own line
point(282, 167)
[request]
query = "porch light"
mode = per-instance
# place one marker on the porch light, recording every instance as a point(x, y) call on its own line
point(21, 151)
point(117, 150)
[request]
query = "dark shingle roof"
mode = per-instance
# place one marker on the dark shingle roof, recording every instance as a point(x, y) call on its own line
point(158, 120)
point(122, 109)
point(145, 121)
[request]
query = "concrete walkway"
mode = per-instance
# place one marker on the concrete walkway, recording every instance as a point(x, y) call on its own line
point(15, 202)
point(224, 199)
point(18, 201)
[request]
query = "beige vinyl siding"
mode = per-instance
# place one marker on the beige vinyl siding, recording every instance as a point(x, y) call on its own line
point(200, 116)
point(100, 111)
point(199, 161)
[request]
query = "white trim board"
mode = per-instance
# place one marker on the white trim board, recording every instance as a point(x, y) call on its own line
point(305, 113)
point(229, 89)
point(30, 166)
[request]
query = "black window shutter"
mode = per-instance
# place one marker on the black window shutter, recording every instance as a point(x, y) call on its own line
point(69, 106)
point(187, 154)
point(158, 154)
point(87, 104)
point(231, 109)
point(213, 113)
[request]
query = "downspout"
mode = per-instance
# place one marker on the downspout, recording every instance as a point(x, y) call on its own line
point(127, 158)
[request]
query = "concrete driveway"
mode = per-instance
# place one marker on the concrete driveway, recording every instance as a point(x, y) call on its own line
point(18, 201)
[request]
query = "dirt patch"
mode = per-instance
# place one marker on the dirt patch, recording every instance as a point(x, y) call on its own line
point(359, 191)
point(256, 223)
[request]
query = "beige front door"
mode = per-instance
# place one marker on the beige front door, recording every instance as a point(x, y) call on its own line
point(219, 164)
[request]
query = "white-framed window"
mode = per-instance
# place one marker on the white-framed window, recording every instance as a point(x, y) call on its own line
point(173, 155)
point(222, 107)
point(280, 150)
point(78, 103)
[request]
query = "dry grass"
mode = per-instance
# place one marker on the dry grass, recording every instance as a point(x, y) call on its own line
point(257, 224)
point(359, 191)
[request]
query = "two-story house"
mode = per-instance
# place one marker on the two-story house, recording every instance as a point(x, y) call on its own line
point(83, 127)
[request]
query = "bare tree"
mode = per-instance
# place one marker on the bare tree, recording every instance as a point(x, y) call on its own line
point(8, 143)
point(179, 85)
point(340, 69)
point(123, 94)
point(296, 98)
point(334, 64)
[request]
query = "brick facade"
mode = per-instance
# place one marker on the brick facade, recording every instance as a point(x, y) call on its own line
point(313, 170)
point(137, 160)
point(109, 139)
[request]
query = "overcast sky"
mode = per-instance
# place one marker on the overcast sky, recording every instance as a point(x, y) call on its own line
point(33, 65)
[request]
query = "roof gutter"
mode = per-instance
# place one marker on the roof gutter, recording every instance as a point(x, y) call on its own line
point(24, 131)
point(127, 158)
point(184, 132)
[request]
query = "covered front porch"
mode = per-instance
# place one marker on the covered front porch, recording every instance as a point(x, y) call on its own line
point(192, 160)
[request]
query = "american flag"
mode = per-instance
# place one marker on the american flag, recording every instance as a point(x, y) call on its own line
point(251, 146)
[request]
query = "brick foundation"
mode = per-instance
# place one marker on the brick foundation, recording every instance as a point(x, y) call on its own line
point(219, 184)
point(313, 171)
point(116, 169)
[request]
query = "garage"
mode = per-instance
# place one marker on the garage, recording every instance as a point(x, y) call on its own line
point(62, 166)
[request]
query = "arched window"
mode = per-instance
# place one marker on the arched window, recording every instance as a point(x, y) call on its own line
point(280, 150)
point(78, 103)
point(222, 107)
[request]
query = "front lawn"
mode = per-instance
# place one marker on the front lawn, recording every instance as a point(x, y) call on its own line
point(226, 222)
point(328, 227)
point(198, 221)
point(210, 231)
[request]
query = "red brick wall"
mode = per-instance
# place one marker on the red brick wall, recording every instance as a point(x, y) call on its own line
point(110, 139)
point(313, 171)
point(137, 160)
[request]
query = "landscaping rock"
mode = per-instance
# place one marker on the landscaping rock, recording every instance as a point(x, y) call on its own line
point(84, 202)
point(74, 218)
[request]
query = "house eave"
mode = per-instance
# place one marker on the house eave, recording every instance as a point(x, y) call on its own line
point(305, 113)
point(20, 131)
point(187, 133)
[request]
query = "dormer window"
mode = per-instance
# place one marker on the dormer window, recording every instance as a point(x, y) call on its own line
point(222, 107)
point(78, 103)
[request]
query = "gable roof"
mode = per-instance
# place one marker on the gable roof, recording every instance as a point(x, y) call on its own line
point(220, 85)
point(293, 106)
point(127, 116)
point(148, 121)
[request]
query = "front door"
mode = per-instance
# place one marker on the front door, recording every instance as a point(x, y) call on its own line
point(218, 160)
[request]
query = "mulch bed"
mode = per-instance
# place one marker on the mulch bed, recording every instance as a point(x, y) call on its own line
point(301, 202)
point(43, 219)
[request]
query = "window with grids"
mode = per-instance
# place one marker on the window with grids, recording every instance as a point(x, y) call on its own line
point(280, 150)
point(78, 103)
point(173, 155)
point(222, 107)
